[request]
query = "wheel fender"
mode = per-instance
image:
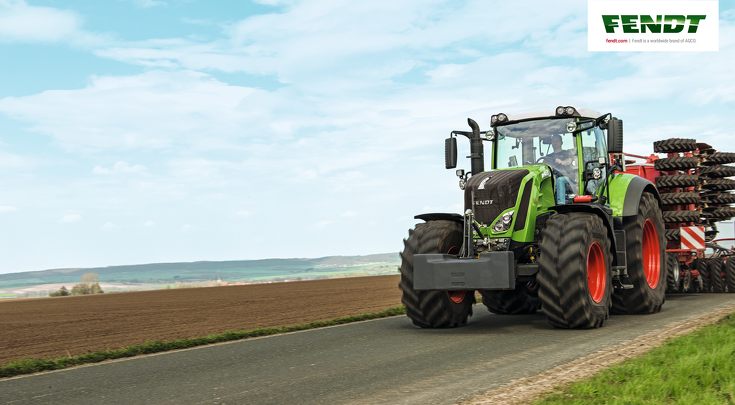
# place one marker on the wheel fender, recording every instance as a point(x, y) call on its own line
point(626, 191)
point(440, 217)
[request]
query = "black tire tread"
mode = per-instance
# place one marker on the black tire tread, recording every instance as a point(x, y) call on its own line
point(701, 266)
point(673, 234)
point(719, 158)
point(642, 298)
point(431, 309)
point(511, 302)
point(730, 274)
point(722, 198)
point(675, 145)
point(676, 163)
point(672, 284)
point(715, 275)
point(681, 216)
point(563, 287)
point(720, 212)
point(680, 198)
point(717, 171)
point(719, 184)
point(679, 180)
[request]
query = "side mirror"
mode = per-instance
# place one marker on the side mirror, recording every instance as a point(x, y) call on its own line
point(615, 136)
point(450, 153)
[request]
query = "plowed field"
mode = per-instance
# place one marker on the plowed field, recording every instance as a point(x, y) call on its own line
point(55, 327)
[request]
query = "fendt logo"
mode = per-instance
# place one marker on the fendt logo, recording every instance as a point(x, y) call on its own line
point(671, 24)
point(652, 26)
point(482, 202)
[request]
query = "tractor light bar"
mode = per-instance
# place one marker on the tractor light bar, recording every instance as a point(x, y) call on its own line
point(498, 118)
point(565, 111)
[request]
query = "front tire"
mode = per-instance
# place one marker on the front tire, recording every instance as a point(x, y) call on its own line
point(523, 300)
point(433, 309)
point(645, 252)
point(575, 280)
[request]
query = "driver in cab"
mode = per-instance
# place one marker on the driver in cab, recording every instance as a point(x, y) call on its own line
point(562, 162)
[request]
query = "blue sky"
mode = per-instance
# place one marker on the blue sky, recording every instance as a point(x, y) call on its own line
point(139, 131)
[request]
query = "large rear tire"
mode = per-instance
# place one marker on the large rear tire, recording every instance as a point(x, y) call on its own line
point(702, 282)
point(433, 309)
point(575, 280)
point(645, 247)
point(715, 275)
point(523, 300)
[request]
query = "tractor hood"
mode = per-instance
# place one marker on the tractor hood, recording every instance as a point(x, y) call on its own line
point(490, 193)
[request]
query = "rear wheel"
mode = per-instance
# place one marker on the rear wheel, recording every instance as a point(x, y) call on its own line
point(575, 283)
point(523, 300)
point(672, 272)
point(715, 275)
point(730, 274)
point(433, 309)
point(645, 252)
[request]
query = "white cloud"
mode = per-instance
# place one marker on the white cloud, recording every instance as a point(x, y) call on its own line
point(70, 218)
point(120, 167)
point(348, 214)
point(322, 224)
point(22, 22)
point(149, 224)
point(186, 228)
point(7, 208)
point(109, 226)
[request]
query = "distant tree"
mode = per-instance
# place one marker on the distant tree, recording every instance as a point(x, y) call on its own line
point(86, 288)
point(61, 293)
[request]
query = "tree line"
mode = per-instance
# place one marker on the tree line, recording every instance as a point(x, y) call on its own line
point(89, 285)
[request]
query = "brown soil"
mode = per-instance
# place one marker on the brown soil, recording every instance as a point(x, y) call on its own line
point(528, 390)
point(67, 326)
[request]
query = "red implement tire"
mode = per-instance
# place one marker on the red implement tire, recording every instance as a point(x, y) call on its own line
point(433, 309)
point(575, 279)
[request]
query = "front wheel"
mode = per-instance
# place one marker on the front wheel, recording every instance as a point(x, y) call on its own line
point(433, 309)
point(645, 253)
point(575, 281)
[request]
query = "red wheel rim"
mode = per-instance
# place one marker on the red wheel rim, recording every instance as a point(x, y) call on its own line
point(457, 296)
point(596, 272)
point(651, 254)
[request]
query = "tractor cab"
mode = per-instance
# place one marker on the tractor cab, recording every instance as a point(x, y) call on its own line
point(571, 145)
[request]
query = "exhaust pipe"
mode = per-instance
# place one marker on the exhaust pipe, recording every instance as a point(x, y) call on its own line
point(477, 156)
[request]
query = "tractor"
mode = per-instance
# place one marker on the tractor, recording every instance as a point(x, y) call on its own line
point(556, 225)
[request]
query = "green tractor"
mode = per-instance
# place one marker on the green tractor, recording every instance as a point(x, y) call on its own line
point(555, 225)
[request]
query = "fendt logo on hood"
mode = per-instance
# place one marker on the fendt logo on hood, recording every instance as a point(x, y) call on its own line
point(669, 24)
point(482, 202)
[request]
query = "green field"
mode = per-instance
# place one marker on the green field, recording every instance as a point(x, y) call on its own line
point(698, 368)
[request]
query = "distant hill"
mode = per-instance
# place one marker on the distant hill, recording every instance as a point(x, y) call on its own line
point(231, 271)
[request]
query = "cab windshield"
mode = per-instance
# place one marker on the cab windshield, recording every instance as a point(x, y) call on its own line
point(546, 142)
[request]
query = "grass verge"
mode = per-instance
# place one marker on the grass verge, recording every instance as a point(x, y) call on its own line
point(697, 368)
point(27, 366)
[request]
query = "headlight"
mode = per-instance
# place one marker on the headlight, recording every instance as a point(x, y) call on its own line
point(560, 110)
point(503, 224)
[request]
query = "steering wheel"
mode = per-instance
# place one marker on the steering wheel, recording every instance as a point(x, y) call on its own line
point(542, 158)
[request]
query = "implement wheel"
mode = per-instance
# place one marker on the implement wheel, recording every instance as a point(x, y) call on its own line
point(701, 283)
point(523, 300)
point(715, 275)
point(433, 309)
point(575, 280)
point(673, 272)
point(730, 274)
point(646, 260)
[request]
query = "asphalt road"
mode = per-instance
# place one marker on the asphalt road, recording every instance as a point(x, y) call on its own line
point(386, 361)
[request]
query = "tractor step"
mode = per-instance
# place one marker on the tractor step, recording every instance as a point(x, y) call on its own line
point(620, 279)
